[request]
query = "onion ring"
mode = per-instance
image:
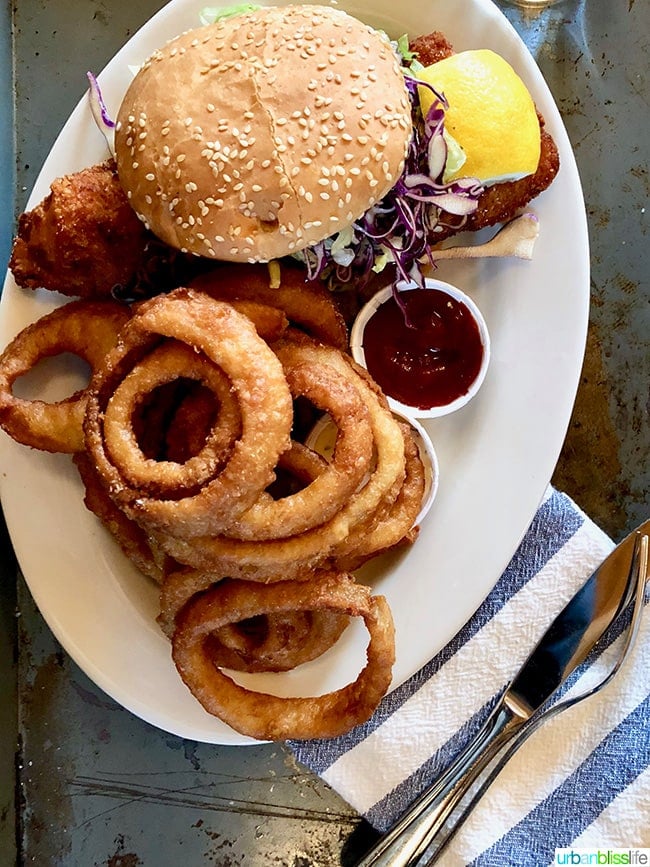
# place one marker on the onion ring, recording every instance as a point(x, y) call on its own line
point(277, 641)
point(270, 322)
point(326, 495)
point(136, 545)
point(296, 555)
point(269, 717)
point(306, 304)
point(393, 522)
point(88, 329)
point(303, 463)
point(228, 340)
point(191, 424)
point(164, 364)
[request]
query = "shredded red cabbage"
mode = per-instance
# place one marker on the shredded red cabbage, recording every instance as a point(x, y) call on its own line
point(105, 123)
point(403, 225)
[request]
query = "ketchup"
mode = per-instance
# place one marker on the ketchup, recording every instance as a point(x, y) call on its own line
point(425, 351)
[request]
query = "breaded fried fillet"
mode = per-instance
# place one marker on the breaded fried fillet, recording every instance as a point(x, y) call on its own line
point(83, 239)
point(500, 202)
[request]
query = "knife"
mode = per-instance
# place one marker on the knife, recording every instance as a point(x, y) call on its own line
point(562, 648)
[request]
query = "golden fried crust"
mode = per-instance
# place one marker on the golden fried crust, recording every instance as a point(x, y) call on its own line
point(500, 202)
point(83, 239)
point(431, 47)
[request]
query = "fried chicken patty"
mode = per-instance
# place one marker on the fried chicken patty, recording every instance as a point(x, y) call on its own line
point(83, 239)
point(500, 202)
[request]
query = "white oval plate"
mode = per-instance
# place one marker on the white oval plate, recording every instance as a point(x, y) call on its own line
point(496, 455)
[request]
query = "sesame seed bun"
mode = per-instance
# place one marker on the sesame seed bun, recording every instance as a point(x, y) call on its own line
point(264, 133)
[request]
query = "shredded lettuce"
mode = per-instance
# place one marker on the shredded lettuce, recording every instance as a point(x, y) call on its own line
point(456, 157)
point(404, 51)
point(210, 14)
point(408, 58)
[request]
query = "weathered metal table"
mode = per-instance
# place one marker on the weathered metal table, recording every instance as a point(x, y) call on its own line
point(83, 782)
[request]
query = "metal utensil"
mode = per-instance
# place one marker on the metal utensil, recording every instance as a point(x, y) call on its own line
point(564, 645)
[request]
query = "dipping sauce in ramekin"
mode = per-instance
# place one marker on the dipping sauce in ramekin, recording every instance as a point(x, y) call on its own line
point(428, 348)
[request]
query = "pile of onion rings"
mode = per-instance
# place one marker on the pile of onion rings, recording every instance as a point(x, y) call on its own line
point(190, 443)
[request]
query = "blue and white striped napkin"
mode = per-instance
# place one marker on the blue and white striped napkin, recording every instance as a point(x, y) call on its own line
point(583, 779)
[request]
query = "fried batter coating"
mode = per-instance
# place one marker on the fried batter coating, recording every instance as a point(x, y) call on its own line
point(431, 47)
point(83, 239)
point(500, 202)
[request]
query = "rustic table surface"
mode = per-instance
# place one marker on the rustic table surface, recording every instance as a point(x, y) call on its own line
point(82, 782)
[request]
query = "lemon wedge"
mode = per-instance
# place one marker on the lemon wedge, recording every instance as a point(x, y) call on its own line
point(491, 116)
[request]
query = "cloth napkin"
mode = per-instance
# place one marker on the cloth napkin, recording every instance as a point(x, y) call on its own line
point(581, 780)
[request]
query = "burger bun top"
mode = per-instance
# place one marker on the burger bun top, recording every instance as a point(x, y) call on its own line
point(263, 133)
